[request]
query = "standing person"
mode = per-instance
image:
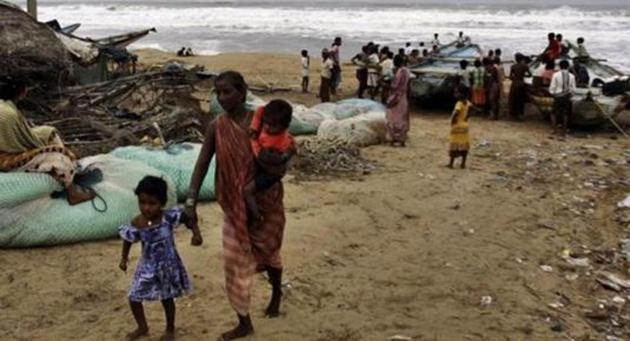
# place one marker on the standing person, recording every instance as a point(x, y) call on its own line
point(160, 274)
point(335, 79)
point(397, 104)
point(436, 51)
point(459, 137)
point(461, 40)
point(306, 64)
point(581, 49)
point(580, 72)
point(414, 58)
point(361, 61)
point(478, 80)
point(326, 76)
point(24, 148)
point(564, 48)
point(553, 49)
point(493, 90)
point(498, 53)
point(490, 54)
point(373, 72)
point(245, 250)
point(436, 40)
point(463, 75)
point(408, 49)
point(405, 56)
point(547, 74)
point(518, 94)
point(561, 88)
point(387, 74)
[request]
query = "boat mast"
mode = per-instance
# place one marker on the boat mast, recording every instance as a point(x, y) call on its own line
point(32, 8)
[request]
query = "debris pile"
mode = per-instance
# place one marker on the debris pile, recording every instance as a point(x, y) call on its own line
point(125, 110)
point(320, 157)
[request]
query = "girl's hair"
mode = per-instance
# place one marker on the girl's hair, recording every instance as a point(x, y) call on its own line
point(304, 53)
point(153, 186)
point(11, 88)
point(235, 79)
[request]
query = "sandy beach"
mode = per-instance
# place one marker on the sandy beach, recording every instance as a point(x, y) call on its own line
point(411, 250)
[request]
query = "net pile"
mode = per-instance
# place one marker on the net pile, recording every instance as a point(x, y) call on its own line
point(320, 157)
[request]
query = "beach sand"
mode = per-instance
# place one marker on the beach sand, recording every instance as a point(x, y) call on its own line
point(408, 250)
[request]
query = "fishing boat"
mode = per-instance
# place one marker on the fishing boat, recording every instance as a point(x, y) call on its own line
point(122, 40)
point(436, 78)
point(596, 103)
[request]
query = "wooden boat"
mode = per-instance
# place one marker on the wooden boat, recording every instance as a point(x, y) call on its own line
point(122, 40)
point(592, 104)
point(435, 78)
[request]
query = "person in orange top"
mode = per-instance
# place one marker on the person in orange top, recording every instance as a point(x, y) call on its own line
point(269, 134)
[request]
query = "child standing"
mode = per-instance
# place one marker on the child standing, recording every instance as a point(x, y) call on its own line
point(459, 139)
point(160, 273)
point(306, 63)
point(273, 147)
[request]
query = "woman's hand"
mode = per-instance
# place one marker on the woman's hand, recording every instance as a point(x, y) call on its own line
point(123, 264)
point(197, 239)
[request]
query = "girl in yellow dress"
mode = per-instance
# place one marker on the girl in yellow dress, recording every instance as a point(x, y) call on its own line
point(459, 139)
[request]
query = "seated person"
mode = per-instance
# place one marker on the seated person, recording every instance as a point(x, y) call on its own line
point(269, 133)
point(33, 149)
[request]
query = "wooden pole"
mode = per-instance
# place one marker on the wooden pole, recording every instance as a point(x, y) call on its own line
point(31, 6)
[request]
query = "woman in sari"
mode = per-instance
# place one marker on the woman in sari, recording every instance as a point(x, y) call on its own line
point(33, 149)
point(397, 105)
point(248, 246)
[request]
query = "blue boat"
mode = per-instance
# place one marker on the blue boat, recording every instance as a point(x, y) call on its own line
point(436, 78)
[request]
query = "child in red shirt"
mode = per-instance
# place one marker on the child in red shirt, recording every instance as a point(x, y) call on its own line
point(273, 147)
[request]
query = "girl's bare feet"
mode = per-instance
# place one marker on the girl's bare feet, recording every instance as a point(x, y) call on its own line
point(138, 333)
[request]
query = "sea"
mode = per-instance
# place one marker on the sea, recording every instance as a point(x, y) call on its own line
point(288, 26)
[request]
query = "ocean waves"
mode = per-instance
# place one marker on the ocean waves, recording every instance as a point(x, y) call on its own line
point(285, 28)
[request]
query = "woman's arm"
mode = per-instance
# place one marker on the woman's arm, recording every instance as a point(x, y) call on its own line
point(199, 174)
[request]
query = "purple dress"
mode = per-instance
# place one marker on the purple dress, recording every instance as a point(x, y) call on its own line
point(160, 273)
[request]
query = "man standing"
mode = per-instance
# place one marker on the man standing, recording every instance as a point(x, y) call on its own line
point(334, 52)
point(561, 88)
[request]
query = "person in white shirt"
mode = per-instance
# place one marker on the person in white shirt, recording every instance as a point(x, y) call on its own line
point(387, 75)
point(326, 73)
point(461, 40)
point(334, 53)
point(306, 63)
point(436, 40)
point(408, 49)
point(373, 72)
point(561, 88)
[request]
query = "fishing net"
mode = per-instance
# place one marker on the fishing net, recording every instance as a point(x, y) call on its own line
point(177, 162)
point(364, 130)
point(31, 217)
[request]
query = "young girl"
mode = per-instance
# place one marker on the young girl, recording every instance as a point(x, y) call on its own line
point(160, 273)
point(306, 63)
point(269, 132)
point(460, 140)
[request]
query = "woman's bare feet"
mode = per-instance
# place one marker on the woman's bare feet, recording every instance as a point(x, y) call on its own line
point(273, 309)
point(243, 329)
point(138, 333)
